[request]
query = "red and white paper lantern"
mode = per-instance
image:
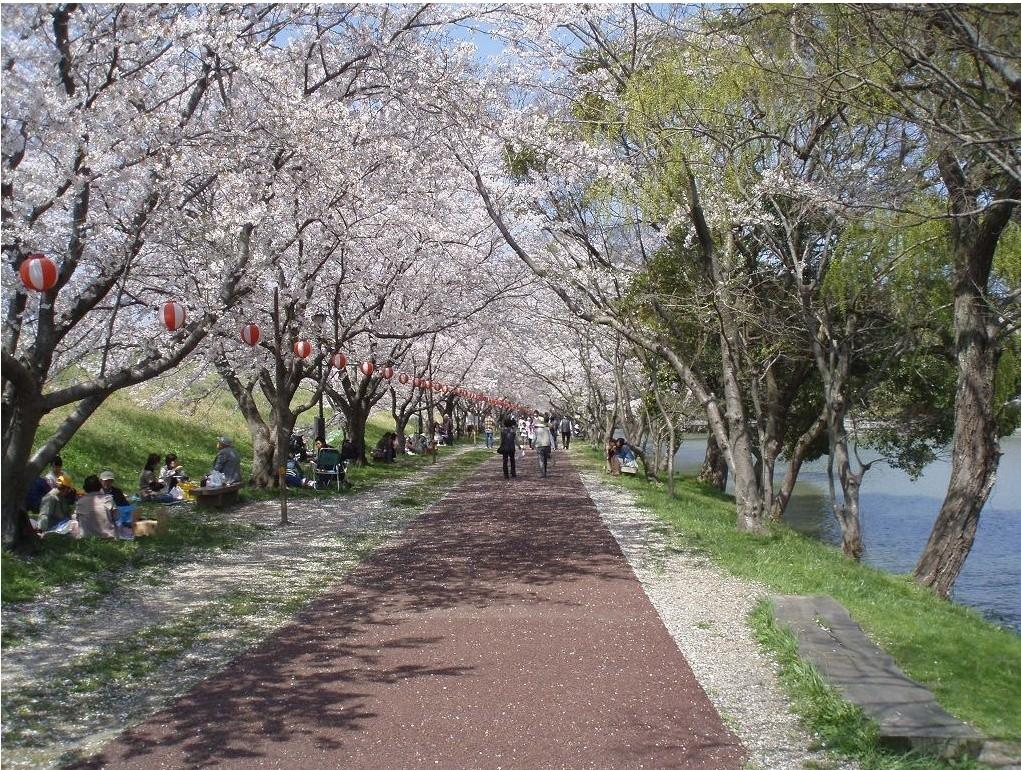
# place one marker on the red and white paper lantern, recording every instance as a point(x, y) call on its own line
point(38, 272)
point(302, 348)
point(172, 315)
point(388, 372)
point(403, 378)
point(367, 368)
point(251, 334)
point(339, 360)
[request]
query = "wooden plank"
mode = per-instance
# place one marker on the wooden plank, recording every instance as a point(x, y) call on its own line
point(907, 713)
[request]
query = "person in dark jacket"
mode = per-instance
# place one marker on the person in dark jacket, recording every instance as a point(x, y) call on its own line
point(227, 461)
point(508, 447)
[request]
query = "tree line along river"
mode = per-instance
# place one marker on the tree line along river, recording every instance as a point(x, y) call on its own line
point(897, 515)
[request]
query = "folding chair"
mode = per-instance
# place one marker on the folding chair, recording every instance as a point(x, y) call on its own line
point(330, 468)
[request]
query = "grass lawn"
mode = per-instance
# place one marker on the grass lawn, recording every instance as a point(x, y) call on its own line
point(971, 665)
point(118, 437)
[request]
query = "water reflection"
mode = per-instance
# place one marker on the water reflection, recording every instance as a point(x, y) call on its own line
point(897, 515)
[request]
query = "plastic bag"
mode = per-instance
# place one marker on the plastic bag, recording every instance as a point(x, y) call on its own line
point(215, 479)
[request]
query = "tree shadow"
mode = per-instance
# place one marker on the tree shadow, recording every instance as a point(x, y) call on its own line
point(489, 545)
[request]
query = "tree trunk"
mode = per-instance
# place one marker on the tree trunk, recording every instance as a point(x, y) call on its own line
point(670, 463)
point(977, 330)
point(401, 429)
point(18, 471)
point(848, 512)
point(357, 418)
point(714, 466)
point(804, 442)
point(976, 450)
point(264, 467)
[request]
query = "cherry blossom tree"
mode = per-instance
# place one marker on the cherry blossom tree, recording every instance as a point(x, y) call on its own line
point(110, 127)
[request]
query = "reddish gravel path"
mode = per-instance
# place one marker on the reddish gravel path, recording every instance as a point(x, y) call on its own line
point(505, 630)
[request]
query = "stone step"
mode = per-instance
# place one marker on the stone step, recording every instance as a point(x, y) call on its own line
point(907, 713)
point(1003, 755)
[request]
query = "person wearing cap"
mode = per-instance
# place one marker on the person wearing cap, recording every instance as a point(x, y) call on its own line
point(57, 504)
point(95, 511)
point(125, 509)
point(228, 461)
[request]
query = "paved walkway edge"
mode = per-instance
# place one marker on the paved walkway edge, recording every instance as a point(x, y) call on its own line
point(705, 610)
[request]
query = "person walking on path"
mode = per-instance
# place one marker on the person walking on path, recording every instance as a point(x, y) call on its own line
point(489, 425)
point(543, 443)
point(553, 426)
point(447, 648)
point(565, 431)
point(508, 447)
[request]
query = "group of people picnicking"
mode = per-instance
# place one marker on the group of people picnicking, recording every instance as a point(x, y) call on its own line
point(102, 509)
point(386, 450)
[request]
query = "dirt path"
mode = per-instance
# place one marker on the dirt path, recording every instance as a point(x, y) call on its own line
point(504, 629)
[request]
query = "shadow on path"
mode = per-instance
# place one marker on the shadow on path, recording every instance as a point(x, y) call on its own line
point(504, 629)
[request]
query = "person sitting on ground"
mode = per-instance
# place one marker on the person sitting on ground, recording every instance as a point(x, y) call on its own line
point(297, 448)
point(384, 449)
point(409, 445)
point(56, 470)
point(172, 470)
point(56, 505)
point(125, 509)
point(295, 476)
point(228, 461)
point(150, 488)
point(95, 510)
point(37, 490)
point(622, 458)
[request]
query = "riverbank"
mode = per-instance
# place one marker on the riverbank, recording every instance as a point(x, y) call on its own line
point(897, 516)
point(972, 666)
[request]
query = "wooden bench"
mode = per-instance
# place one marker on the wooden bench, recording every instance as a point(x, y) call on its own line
point(216, 497)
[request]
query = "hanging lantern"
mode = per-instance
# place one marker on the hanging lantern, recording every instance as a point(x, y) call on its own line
point(302, 348)
point(403, 378)
point(251, 334)
point(339, 360)
point(172, 315)
point(388, 372)
point(367, 368)
point(417, 382)
point(38, 272)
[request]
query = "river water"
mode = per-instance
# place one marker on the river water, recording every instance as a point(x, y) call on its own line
point(897, 515)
